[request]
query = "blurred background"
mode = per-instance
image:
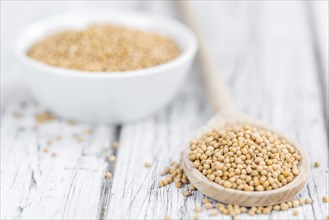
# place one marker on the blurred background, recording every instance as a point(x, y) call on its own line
point(239, 22)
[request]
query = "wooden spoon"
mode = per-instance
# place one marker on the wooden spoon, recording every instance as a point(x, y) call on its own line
point(227, 116)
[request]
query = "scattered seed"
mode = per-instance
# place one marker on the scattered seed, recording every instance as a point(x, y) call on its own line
point(325, 199)
point(196, 216)
point(17, 115)
point(115, 145)
point(191, 187)
point(72, 122)
point(89, 131)
point(147, 165)
point(58, 138)
point(317, 164)
point(111, 158)
point(45, 150)
point(295, 213)
point(44, 117)
point(106, 147)
point(308, 200)
point(208, 205)
point(198, 209)
point(108, 175)
point(186, 193)
point(213, 212)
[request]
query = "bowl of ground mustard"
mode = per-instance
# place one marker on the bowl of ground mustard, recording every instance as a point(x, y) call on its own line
point(105, 66)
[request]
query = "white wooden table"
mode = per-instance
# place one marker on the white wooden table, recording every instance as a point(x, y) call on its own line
point(273, 55)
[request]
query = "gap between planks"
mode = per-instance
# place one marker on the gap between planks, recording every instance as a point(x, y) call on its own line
point(105, 193)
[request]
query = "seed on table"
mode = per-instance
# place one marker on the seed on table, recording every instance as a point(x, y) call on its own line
point(45, 150)
point(208, 205)
point(111, 158)
point(198, 209)
point(325, 199)
point(295, 213)
point(178, 184)
point(147, 165)
point(308, 200)
point(276, 207)
point(284, 206)
point(213, 212)
point(317, 164)
point(196, 217)
point(186, 193)
point(301, 201)
point(205, 200)
point(295, 203)
point(108, 175)
point(192, 188)
point(115, 145)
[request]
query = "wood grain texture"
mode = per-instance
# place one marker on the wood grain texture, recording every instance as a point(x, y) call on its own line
point(266, 55)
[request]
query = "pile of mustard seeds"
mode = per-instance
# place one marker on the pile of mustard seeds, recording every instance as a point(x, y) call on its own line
point(174, 174)
point(244, 157)
point(104, 48)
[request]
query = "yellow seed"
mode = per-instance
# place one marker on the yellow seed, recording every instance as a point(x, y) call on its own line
point(295, 203)
point(196, 216)
point(295, 213)
point(186, 193)
point(167, 217)
point(108, 175)
point(111, 158)
point(325, 199)
point(198, 209)
point(308, 200)
point(208, 205)
point(213, 212)
point(115, 145)
point(147, 165)
point(45, 150)
point(191, 187)
point(284, 206)
point(276, 207)
point(317, 164)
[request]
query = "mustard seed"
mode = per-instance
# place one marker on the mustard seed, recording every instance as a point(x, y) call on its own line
point(186, 193)
point(208, 205)
point(198, 209)
point(325, 199)
point(147, 165)
point(213, 212)
point(111, 158)
point(104, 48)
point(317, 164)
point(108, 175)
point(115, 145)
point(295, 213)
point(308, 200)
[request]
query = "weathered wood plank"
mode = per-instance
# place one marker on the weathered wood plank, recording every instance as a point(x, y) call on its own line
point(266, 55)
point(35, 184)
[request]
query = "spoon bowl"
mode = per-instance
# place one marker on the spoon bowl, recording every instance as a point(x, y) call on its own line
point(239, 197)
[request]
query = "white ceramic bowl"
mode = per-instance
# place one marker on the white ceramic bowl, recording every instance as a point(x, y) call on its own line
point(114, 97)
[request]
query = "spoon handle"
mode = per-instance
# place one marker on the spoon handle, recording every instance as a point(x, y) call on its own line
point(218, 92)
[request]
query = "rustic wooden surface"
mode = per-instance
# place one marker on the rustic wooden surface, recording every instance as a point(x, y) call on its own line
point(274, 57)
